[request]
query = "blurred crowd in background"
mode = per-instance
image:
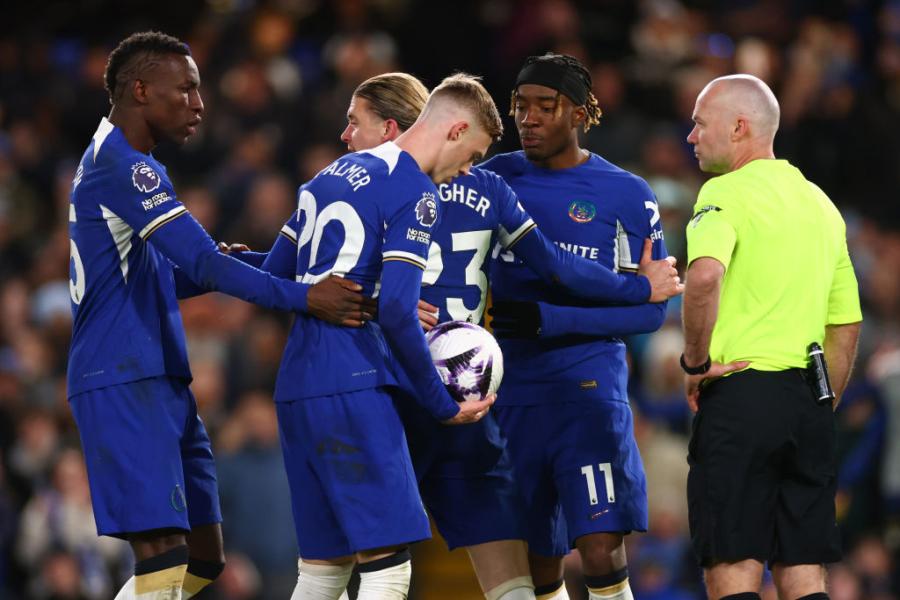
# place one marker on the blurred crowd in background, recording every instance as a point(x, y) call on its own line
point(277, 77)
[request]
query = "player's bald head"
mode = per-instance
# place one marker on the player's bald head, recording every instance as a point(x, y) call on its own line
point(745, 96)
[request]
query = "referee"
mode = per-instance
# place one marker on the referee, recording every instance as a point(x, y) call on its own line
point(768, 275)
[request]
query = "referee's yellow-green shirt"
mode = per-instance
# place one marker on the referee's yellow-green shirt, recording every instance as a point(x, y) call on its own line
point(787, 271)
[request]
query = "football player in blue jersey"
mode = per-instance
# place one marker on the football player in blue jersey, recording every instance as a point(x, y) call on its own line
point(464, 474)
point(368, 217)
point(564, 406)
point(134, 250)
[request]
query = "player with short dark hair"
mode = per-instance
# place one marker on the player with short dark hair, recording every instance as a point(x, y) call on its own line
point(135, 250)
point(563, 405)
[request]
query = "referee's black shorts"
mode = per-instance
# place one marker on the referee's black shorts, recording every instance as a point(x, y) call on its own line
point(762, 472)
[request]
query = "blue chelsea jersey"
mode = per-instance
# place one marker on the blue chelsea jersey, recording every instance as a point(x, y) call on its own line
point(360, 211)
point(478, 211)
point(126, 323)
point(595, 210)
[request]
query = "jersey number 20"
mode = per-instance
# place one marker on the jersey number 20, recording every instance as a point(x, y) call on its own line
point(314, 225)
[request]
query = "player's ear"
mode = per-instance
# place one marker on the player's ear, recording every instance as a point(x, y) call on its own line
point(741, 129)
point(458, 130)
point(579, 115)
point(390, 130)
point(139, 91)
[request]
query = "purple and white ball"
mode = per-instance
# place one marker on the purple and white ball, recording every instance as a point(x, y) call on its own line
point(467, 358)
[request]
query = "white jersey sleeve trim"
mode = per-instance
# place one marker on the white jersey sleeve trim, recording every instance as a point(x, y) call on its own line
point(288, 232)
point(160, 221)
point(508, 239)
point(405, 257)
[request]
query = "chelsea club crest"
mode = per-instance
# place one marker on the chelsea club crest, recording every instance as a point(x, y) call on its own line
point(582, 211)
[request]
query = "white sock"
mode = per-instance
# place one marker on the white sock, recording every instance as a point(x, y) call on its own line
point(344, 596)
point(172, 592)
point(558, 594)
point(321, 582)
point(619, 591)
point(518, 588)
point(518, 594)
point(388, 583)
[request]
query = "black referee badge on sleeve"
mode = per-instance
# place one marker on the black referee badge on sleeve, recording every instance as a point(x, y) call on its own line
point(699, 214)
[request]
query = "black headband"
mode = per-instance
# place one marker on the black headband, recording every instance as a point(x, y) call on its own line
point(556, 76)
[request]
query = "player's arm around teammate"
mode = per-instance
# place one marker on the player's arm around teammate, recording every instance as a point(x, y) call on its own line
point(335, 299)
point(153, 484)
point(586, 203)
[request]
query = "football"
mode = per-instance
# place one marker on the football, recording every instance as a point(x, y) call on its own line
point(467, 358)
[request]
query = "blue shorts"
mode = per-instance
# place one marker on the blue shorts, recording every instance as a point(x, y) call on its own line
point(148, 457)
point(565, 456)
point(465, 477)
point(352, 482)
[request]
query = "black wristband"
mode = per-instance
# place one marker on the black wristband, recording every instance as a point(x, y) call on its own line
point(700, 370)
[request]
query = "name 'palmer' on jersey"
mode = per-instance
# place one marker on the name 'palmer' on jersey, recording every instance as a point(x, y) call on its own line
point(356, 175)
point(346, 227)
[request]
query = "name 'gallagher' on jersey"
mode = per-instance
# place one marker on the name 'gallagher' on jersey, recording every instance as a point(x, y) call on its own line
point(480, 214)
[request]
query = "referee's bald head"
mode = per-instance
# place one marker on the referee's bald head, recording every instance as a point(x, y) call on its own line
point(748, 97)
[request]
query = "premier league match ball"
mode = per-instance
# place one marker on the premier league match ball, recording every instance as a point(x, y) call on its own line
point(467, 358)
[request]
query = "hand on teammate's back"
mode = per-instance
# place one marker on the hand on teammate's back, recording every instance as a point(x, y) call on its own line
point(471, 411)
point(664, 281)
point(229, 248)
point(338, 301)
